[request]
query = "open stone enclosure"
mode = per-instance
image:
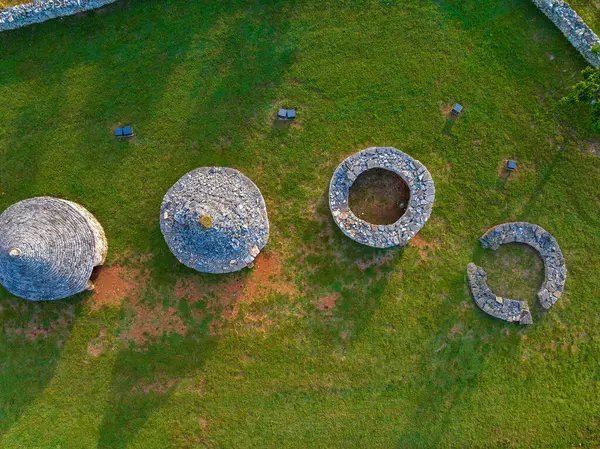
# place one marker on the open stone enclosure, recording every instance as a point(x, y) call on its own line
point(555, 271)
point(503, 308)
point(214, 220)
point(416, 176)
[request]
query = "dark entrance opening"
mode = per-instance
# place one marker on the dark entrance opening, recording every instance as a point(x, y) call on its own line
point(379, 196)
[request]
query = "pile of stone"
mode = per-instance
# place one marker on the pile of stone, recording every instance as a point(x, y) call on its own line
point(42, 10)
point(573, 27)
point(503, 308)
point(416, 176)
point(214, 220)
point(545, 244)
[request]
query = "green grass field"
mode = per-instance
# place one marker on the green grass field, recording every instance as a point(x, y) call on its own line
point(325, 343)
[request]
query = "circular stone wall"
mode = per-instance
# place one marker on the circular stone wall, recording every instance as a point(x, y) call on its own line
point(416, 176)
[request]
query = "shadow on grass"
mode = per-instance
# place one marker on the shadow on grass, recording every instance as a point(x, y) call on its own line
point(448, 125)
point(337, 266)
point(142, 382)
point(451, 364)
point(128, 62)
point(34, 334)
point(539, 188)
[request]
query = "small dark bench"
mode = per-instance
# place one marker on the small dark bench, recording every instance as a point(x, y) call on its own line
point(126, 131)
point(457, 109)
point(286, 114)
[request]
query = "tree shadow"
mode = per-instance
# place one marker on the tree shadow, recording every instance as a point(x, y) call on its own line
point(33, 336)
point(452, 362)
point(143, 382)
point(154, 39)
point(338, 268)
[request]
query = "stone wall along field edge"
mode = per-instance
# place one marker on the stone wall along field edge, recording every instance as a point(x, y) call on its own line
point(41, 10)
point(579, 34)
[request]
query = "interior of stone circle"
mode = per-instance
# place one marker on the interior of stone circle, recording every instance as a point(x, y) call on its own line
point(379, 196)
point(515, 271)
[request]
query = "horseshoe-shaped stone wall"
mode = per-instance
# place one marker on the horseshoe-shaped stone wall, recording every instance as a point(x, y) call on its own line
point(503, 308)
point(555, 271)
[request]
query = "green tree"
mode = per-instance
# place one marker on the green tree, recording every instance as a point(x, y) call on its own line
point(588, 92)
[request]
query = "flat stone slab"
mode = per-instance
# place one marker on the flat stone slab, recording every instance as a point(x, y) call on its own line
point(214, 220)
point(413, 172)
point(554, 263)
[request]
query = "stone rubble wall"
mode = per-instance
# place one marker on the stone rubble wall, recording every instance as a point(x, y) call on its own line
point(503, 308)
point(413, 172)
point(41, 10)
point(573, 27)
point(545, 244)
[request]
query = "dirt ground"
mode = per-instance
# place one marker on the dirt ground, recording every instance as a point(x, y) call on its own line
point(379, 196)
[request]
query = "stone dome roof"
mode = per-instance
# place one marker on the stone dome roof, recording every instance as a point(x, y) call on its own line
point(214, 220)
point(49, 248)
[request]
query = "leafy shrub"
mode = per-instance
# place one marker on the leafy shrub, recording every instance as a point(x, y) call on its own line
point(588, 92)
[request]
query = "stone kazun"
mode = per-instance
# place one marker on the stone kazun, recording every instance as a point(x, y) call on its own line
point(414, 174)
point(214, 220)
point(49, 248)
point(554, 263)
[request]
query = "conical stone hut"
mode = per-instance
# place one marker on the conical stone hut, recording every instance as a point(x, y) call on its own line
point(49, 248)
point(214, 220)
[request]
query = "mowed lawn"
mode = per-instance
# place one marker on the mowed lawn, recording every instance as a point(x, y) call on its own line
point(324, 343)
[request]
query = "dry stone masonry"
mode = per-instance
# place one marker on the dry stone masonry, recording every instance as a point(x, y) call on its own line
point(503, 308)
point(555, 271)
point(573, 27)
point(42, 10)
point(416, 176)
point(49, 248)
point(214, 220)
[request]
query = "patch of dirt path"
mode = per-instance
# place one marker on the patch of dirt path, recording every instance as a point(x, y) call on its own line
point(113, 284)
point(223, 299)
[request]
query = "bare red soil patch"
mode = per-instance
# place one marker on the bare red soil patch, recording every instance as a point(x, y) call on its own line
point(97, 346)
point(224, 298)
point(113, 284)
point(39, 325)
point(376, 261)
point(424, 247)
point(445, 109)
point(328, 303)
point(151, 322)
point(160, 386)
